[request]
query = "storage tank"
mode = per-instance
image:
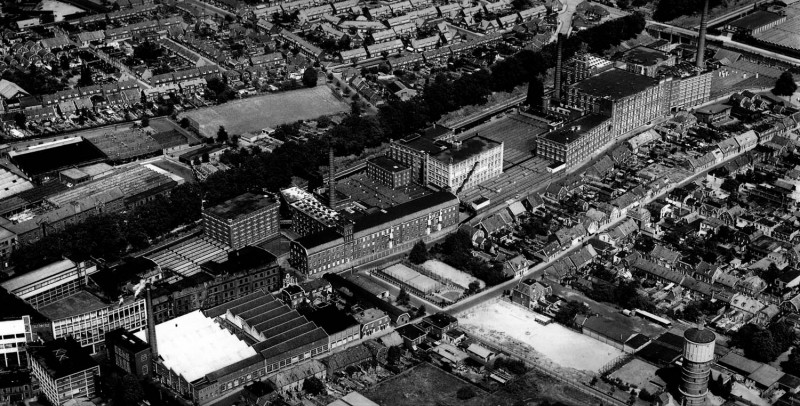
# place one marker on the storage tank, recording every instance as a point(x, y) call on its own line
point(698, 354)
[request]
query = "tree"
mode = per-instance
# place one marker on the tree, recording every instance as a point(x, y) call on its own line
point(145, 121)
point(785, 85)
point(421, 311)
point(473, 287)
point(393, 355)
point(465, 393)
point(568, 311)
point(314, 386)
point(20, 119)
point(310, 77)
point(184, 122)
point(222, 134)
point(419, 253)
point(792, 365)
point(403, 296)
point(86, 76)
point(535, 92)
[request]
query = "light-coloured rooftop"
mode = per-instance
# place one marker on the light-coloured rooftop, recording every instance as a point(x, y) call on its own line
point(193, 345)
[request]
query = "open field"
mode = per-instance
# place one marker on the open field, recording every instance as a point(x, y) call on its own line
point(272, 110)
point(427, 385)
point(636, 372)
point(461, 278)
point(514, 327)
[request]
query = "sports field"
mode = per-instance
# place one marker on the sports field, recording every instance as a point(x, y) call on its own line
point(254, 113)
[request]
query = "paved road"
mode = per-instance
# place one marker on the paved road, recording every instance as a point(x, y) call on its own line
point(213, 9)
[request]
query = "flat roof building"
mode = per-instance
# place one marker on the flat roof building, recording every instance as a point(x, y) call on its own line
point(375, 235)
point(755, 23)
point(129, 353)
point(309, 215)
point(243, 220)
point(388, 172)
point(50, 283)
point(576, 141)
point(64, 370)
point(646, 61)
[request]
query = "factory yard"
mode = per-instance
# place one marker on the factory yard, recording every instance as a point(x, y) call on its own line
point(517, 132)
point(553, 346)
point(255, 113)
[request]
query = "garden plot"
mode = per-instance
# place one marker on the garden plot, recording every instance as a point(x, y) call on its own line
point(460, 278)
point(515, 328)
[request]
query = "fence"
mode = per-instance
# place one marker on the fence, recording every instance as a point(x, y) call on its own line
point(580, 386)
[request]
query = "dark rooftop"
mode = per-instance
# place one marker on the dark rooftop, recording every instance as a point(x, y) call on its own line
point(572, 131)
point(758, 19)
point(615, 84)
point(241, 205)
point(111, 280)
point(11, 379)
point(423, 144)
point(126, 339)
point(242, 260)
point(410, 331)
point(440, 320)
point(469, 147)
point(658, 354)
point(59, 157)
point(331, 319)
point(642, 55)
point(14, 308)
point(388, 164)
point(700, 336)
point(62, 357)
point(78, 303)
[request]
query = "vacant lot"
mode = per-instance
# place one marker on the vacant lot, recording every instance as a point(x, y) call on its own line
point(272, 110)
point(426, 385)
point(514, 327)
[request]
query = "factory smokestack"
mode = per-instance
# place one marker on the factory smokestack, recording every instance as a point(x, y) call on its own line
point(557, 92)
point(331, 179)
point(701, 40)
point(151, 324)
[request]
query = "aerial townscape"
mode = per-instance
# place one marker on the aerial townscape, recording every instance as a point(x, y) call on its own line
point(399, 202)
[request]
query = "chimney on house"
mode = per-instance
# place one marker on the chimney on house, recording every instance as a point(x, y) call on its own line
point(701, 40)
point(557, 84)
point(331, 178)
point(151, 324)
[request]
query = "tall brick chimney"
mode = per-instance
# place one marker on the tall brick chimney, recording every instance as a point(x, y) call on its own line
point(557, 84)
point(151, 324)
point(331, 178)
point(701, 40)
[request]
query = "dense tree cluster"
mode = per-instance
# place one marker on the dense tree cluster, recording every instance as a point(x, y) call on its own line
point(667, 10)
point(567, 312)
point(764, 344)
point(110, 236)
point(785, 85)
point(624, 294)
point(419, 253)
point(515, 366)
point(456, 251)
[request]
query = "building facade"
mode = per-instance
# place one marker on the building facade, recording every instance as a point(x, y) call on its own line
point(394, 229)
point(466, 164)
point(388, 172)
point(698, 355)
point(88, 328)
point(14, 336)
point(129, 353)
point(576, 141)
point(243, 220)
point(309, 215)
point(50, 283)
point(64, 371)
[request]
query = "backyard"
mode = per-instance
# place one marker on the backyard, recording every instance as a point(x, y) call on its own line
point(255, 113)
point(553, 346)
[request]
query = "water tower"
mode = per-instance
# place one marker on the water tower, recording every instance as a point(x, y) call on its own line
point(698, 354)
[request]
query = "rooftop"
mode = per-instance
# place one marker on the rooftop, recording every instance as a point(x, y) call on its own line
point(469, 147)
point(14, 308)
point(615, 84)
point(388, 164)
point(572, 131)
point(35, 276)
point(128, 340)
point(193, 346)
point(79, 303)
point(642, 55)
point(758, 19)
point(700, 336)
point(331, 319)
point(241, 205)
point(62, 357)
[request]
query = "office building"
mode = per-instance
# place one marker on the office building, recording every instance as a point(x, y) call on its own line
point(244, 220)
point(388, 172)
point(465, 164)
point(20, 324)
point(64, 371)
point(86, 317)
point(375, 235)
point(129, 353)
